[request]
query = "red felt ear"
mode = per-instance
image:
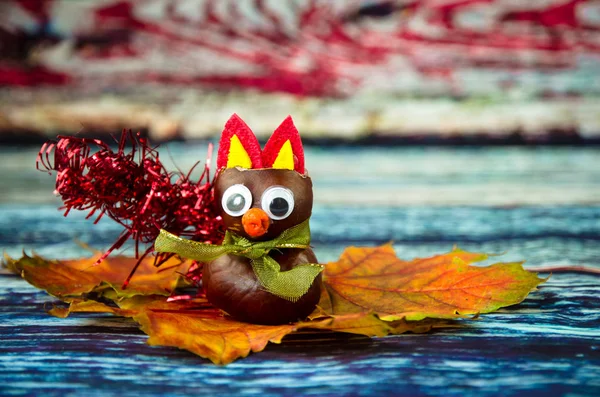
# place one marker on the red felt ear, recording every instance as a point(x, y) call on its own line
point(238, 146)
point(287, 131)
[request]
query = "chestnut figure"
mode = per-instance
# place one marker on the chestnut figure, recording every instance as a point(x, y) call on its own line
point(280, 200)
point(264, 272)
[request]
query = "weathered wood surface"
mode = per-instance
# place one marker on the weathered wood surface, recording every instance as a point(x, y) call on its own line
point(548, 345)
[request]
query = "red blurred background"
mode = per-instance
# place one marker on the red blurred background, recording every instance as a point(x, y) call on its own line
point(346, 68)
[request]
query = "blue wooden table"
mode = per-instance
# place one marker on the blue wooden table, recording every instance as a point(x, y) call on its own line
point(541, 204)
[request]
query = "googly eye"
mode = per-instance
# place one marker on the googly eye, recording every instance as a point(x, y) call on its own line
point(236, 200)
point(277, 202)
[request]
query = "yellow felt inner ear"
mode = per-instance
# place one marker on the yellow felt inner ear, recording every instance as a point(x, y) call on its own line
point(238, 157)
point(285, 158)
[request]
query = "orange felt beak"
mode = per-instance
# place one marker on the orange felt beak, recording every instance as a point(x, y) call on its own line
point(255, 222)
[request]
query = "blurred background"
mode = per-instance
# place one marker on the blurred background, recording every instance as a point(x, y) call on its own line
point(436, 122)
point(351, 70)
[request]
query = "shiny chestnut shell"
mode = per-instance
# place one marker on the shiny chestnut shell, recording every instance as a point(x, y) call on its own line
point(231, 285)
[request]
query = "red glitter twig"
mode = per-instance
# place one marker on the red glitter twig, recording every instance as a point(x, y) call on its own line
point(133, 188)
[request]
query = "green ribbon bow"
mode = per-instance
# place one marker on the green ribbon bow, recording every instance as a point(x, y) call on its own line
point(290, 285)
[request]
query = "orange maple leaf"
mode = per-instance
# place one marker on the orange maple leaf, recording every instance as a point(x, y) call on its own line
point(442, 286)
point(74, 278)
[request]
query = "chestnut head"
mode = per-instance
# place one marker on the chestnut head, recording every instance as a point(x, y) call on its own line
point(262, 192)
point(261, 204)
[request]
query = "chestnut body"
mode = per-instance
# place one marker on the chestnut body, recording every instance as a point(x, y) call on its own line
point(231, 285)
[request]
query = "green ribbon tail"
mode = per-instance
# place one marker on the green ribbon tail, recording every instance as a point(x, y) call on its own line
point(290, 285)
point(168, 242)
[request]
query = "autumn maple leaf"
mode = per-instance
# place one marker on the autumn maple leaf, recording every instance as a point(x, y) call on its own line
point(442, 286)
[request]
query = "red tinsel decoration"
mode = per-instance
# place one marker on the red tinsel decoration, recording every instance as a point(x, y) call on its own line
point(133, 188)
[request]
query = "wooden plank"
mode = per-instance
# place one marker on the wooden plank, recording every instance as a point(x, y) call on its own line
point(550, 343)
